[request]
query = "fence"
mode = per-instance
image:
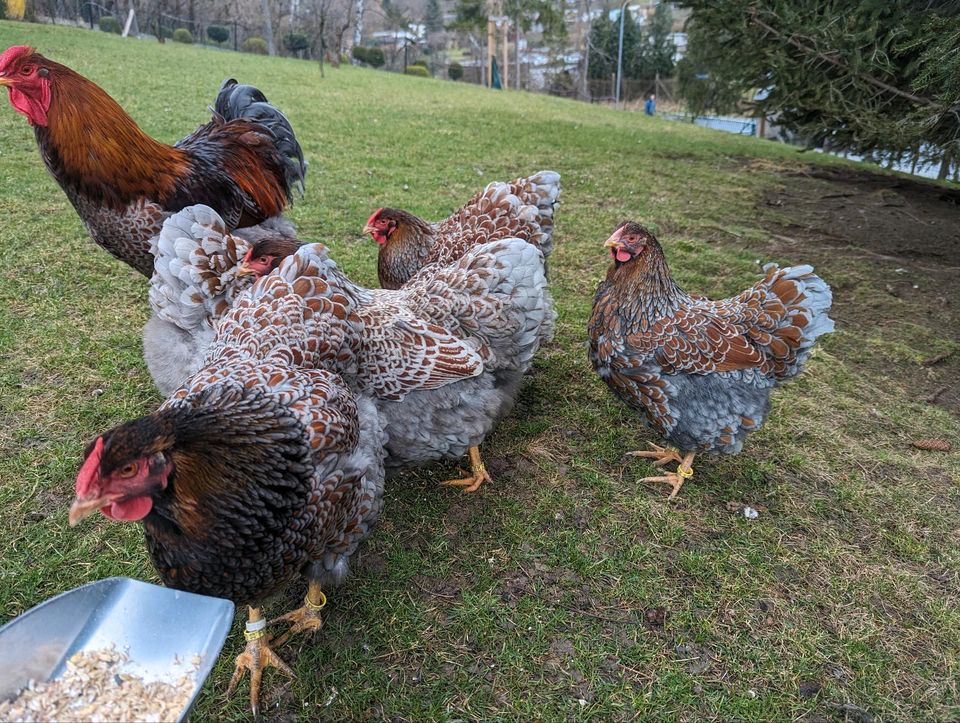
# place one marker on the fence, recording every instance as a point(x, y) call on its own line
point(730, 124)
point(631, 89)
point(149, 20)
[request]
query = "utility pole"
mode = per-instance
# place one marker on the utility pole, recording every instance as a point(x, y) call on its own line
point(620, 56)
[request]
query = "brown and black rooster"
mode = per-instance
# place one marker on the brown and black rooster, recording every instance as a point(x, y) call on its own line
point(245, 162)
point(520, 209)
point(699, 371)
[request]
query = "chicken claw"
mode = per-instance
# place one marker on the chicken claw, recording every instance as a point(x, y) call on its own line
point(674, 479)
point(479, 476)
point(660, 455)
point(257, 656)
point(306, 618)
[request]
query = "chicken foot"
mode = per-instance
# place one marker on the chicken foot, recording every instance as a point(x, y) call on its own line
point(674, 479)
point(306, 618)
point(662, 456)
point(479, 476)
point(257, 656)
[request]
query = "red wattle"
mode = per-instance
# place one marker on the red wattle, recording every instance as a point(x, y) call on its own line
point(133, 509)
point(623, 255)
point(35, 111)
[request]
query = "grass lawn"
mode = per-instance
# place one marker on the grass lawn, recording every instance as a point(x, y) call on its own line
point(566, 589)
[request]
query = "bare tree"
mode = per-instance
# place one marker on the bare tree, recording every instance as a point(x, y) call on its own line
point(326, 22)
point(268, 26)
point(358, 26)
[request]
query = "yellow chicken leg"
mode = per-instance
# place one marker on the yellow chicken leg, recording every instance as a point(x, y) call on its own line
point(306, 618)
point(479, 476)
point(257, 656)
point(674, 479)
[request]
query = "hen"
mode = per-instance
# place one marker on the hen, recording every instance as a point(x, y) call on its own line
point(520, 209)
point(444, 356)
point(699, 371)
point(245, 162)
point(263, 468)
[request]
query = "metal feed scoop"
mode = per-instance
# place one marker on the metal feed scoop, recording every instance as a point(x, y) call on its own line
point(160, 629)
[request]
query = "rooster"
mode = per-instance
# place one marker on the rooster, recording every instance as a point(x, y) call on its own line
point(520, 209)
point(262, 469)
point(245, 163)
point(699, 371)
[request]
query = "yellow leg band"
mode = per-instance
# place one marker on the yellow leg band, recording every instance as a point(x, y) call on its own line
point(685, 472)
point(314, 606)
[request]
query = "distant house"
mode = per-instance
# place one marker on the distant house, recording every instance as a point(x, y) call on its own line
point(396, 39)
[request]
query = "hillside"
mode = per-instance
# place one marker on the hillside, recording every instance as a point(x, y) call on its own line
point(565, 589)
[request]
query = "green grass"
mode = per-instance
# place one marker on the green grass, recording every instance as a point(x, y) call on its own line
point(565, 590)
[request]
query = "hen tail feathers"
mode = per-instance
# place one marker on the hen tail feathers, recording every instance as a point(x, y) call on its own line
point(195, 262)
point(541, 190)
point(807, 299)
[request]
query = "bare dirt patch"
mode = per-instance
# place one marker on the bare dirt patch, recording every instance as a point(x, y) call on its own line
point(890, 246)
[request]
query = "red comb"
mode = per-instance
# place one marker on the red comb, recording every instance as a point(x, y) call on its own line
point(12, 53)
point(248, 257)
point(90, 471)
point(373, 216)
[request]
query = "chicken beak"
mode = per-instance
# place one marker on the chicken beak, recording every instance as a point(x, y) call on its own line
point(368, 229)
point(244, 270)
point(5, 81)
point(84, 508)
point(614, 240)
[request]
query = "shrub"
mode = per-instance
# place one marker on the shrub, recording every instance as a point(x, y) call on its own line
point(110, 24)
point(218, 33)
point(255, 45)
point(419, 70)
point(182, 35)
point(3, 10)
point(373, 57)
point(295, 42)
point(455, 71)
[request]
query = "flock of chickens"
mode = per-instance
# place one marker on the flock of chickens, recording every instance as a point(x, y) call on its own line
point(292, 391)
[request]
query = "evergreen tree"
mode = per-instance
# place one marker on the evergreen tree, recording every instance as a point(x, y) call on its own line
point(471, 15)
point(604, 39)
point(433, 17)
point(658, 46)
point(868, 76)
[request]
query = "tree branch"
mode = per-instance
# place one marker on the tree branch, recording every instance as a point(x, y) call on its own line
point(920, 100)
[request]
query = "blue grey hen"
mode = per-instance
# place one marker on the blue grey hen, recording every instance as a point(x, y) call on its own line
point(699, 371)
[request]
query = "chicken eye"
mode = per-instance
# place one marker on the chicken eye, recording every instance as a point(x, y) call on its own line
point(264, 260)
point(26, 70)
point(129, 470)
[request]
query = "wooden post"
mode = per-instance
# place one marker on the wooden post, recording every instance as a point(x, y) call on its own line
point(506, 54)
